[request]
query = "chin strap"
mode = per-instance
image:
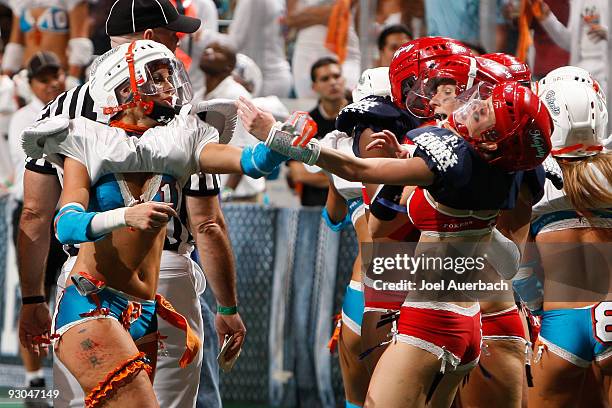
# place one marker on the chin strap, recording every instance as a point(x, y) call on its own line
point(137, 101)
point(128, 128)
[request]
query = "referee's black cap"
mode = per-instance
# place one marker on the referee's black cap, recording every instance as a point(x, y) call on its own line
point(42, 61)
point(133, 16)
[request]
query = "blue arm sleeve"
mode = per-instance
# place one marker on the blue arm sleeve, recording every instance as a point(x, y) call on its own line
point(72, 225)
point(333, 226)
point(258, 161)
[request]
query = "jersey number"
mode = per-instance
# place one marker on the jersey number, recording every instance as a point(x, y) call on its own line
point(602, 322)
point(165, 193)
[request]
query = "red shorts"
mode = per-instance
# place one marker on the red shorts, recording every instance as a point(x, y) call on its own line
point(450, 332)
point(503, 325)
point(382, 300)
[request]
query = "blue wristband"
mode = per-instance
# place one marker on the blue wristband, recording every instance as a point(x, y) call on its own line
point(258, 161)
point(72, 224)
point(333, 226)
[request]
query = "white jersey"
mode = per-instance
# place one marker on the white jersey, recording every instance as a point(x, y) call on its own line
point(256, 32)
point(173, 150)
point(555, 212)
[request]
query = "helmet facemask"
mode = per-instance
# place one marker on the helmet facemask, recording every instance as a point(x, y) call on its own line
point(161, 87)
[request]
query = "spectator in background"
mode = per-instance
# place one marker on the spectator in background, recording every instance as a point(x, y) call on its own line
point(247, 73)
point(217, 62)
point(329, 84)
point(413, 16)
point(585, 36)
point(192, 45)
point(47, 81)
point(548, 55)
point(460, 19)
point(310, 18)
point(60, 26)
point(256, 32)
point(389, 40)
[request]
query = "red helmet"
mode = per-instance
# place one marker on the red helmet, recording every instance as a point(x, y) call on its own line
point(463, 71)
point(520, 71)
point(411, 57)
point(521, 131)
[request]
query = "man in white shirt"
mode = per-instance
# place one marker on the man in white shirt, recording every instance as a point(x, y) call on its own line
point(585, 37)
point(256, 32)
point(192, 45)
point(47, 81)
point(217, 63)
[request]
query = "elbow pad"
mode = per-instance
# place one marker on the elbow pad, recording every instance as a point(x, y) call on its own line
point(386, 203)
point(333, 226)
point(72, 224)
point(80, 51)
point(259, 160)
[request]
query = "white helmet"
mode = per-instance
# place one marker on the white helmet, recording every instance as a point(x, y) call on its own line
point(568, 73)
point(120, 77)
point(373, 81)
point(579, 116)
point(249, 74)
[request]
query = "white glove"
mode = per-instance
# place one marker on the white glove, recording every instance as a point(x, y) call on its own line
point(34, 137)
point(220, 114)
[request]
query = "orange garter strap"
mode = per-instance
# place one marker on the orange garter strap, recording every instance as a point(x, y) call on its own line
point(117, 378)
point(192, 341)
point(332, 344)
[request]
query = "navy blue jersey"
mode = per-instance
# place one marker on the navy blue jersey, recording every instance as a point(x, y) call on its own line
point(462, 179)
point(534, 180)
point(376, 113)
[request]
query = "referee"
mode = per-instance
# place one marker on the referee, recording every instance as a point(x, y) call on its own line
point(130, 20)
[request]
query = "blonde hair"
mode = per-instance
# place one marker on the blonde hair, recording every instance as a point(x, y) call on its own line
point(585, 188)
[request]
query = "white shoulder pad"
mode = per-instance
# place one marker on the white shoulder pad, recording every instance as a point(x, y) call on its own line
point(175, 149)
point(49, 136)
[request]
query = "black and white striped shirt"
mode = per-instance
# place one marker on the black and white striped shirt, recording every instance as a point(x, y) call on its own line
point(78, 102)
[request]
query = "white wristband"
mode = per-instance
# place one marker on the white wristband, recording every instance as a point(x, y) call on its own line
point(80, 51)
point(107, 221)
point(12, 60)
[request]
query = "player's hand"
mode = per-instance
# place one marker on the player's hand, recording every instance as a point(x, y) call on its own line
point(230, 325)
point(539, 9)
point(385, 141)
point(35, 328)
point(256, 121)
point(149, 216)
point(597, 33)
